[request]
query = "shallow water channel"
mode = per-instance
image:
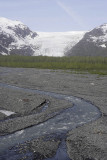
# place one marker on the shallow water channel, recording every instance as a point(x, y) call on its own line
point(81, 113)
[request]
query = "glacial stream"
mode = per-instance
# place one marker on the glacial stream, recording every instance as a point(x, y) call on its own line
point(81, 113)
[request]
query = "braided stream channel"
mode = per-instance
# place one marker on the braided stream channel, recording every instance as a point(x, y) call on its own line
point(81, 113)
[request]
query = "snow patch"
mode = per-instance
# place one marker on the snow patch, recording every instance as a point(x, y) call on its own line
point(7, 113)
point(104, 27)
point(102, 39)
point(103, 46)
point(5, 54)
point(7, 22)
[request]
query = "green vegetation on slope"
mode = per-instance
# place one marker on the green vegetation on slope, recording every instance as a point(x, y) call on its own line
point(96, 65)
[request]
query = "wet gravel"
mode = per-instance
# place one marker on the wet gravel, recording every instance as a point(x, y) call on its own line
point(88, 142)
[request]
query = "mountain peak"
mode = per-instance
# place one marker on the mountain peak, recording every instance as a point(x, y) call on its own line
point(6, 21)
point(16, 38)
point(5, 24)
point(104, 27)
point(94, 43)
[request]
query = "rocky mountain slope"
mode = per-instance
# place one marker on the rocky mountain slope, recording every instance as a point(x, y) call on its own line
point(16, 38)
point(94, 43)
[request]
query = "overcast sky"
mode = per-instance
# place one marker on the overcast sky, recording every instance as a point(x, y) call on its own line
point(56, 15)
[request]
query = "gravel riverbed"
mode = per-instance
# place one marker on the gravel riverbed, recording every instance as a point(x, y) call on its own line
point(88, 142)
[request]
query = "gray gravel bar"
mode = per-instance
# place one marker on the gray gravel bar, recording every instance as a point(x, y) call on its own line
point(88, 142)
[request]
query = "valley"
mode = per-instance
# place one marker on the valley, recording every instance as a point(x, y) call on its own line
point(89, 137)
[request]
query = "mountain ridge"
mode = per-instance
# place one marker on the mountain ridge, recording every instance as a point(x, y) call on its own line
point(94, 43)
point(16, 38)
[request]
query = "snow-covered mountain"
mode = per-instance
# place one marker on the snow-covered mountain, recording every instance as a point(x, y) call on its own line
point(16, 38)
point(56, 43)
point(94, 43)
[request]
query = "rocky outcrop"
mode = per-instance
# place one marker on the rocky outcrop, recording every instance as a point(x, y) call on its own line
point(16, 38)
point(94, 43)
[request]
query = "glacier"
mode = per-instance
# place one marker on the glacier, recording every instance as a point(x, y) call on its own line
point(56, 43)
point(17, 38)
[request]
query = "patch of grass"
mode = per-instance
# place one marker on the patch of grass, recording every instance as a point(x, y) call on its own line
point(93, 65)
